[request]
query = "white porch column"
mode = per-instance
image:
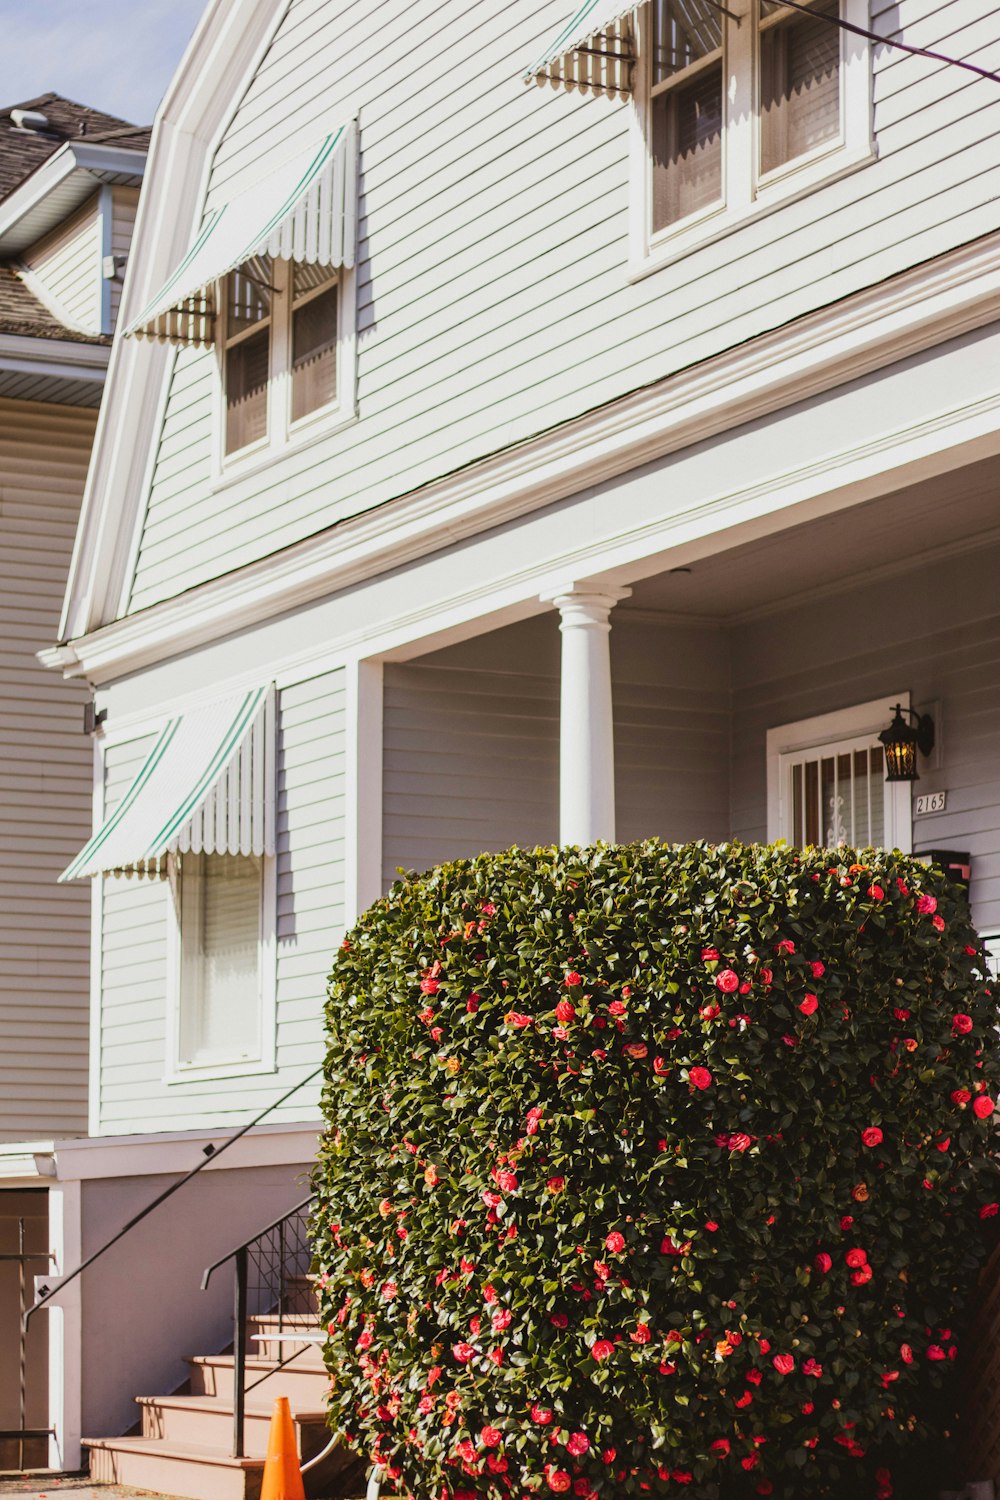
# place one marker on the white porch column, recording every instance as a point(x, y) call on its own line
point(586, 731)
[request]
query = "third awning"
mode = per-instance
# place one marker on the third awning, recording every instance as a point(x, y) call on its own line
point(594, 52)
point(303, 210)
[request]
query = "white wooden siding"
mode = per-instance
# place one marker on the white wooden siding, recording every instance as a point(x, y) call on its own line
point(310, 876)
point(471, 741)
point(68, 263)
point(45, 781)
point(936, 631)
point(493, 292)
point(124, 202)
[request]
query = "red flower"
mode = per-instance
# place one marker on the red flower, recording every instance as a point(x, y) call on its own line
point(961, 1096)
point(876, 893)
point(501, 1319)
point(855, 1258)
point(472, 1004)
point(961, 1023)
point(638, 1050)
point(496, 1356)
point(701, 1078)
point(861, 1275)
point(556, 1184)
point(615, 1242)
point(926, 904)
point(507, 1181)
point(739, 1142)
point(872, 1136)
point(816, 969)
point(784, 1363)
point(541, 1415)
point(601, 1349)
point(429, 986)
point(727, 981)
point(812, 1368)
point(982, 1106)
point(809, 1004)
point(989, 1210)
point(711, 1225)
point(939, 923)
point(906, 1354)
point(823, 1262)
point(565, 1012)
point(721, 1447)
point(572, 979)
point(640, 1335)
point(559, 1320)
point(785, 946)
point(558, 1479)
point(490, 1437)
point(934, 1351)
point(709, 955)
point(577, 1444)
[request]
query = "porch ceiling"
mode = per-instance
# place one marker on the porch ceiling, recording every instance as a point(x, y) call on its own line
point(892, 533)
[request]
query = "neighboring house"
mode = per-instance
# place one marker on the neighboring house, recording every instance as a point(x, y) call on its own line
point(489, 463)
point(69, 185)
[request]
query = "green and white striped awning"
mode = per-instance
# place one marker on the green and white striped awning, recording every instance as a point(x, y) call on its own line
point(206, 785)
point(594, 52)
point(304, 210)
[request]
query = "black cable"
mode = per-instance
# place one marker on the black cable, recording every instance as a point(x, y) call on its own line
point(886, 41)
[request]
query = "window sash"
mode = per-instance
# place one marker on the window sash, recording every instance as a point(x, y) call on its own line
point(221, 906)
point(313, 369)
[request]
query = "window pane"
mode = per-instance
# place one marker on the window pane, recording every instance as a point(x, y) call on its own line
point(314, 353)
point(687, 147)
point(220, 936)
point(248, 301)
point(683, 32)
point(800, 85)
point(246, 390)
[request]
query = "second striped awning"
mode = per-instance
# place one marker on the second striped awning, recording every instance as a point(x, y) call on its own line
point(594, 52)
point(304, 210)
point(206, 785)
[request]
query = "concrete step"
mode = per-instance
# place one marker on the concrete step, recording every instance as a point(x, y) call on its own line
point(304, 1380)
point(207, 1422)
point(274, 1348)
point(170, 1469)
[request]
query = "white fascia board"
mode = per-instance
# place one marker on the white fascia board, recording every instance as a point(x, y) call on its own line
point(26, 1162)
point(24, 216)
point(179, 1151)
point(924, 307)
point(221, 59)
point(63, 358)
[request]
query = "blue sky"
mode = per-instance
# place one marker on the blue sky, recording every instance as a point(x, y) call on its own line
point(117, 55)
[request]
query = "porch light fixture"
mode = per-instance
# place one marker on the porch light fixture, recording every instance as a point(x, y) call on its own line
point(902, 741)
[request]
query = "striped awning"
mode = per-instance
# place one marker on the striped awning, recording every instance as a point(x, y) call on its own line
point(304, 210)
point(594, 52)
point(206, 785)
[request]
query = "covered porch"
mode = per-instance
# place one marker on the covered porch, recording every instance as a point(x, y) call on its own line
point(736, 694)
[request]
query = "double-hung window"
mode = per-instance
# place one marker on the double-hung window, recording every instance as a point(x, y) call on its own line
point(221, 907)
point(282, 349)
point(739, 107)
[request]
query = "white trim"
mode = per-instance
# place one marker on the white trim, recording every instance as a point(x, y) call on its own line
point(20, 211)
point(106, 213)
point(745, 195)
point(96, 1041)
point(177, 1151)
point(64, 358)
point(822, 729)
point(128, 571)
point(41, 292)
point(363, 787)
point(65, 1327)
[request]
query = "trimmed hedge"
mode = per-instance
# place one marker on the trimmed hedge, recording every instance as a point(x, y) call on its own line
point(654, 1169)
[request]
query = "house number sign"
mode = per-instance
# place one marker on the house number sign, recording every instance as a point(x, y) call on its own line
point(931, 802)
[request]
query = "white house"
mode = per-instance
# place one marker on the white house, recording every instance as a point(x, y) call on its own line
point(69, 185)
point(526, 428)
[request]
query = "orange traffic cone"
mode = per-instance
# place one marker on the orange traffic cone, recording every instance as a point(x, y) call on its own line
point(282, 1478)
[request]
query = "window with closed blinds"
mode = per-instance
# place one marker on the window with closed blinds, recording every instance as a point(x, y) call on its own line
point(220, 993)
point(799, 82)
point(314, 340)
point(687, 106)
point(247, 355)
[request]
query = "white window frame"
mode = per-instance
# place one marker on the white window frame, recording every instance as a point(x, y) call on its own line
point(283, 434)
point(746, 194)
point(179, 1071)
point(806, 735)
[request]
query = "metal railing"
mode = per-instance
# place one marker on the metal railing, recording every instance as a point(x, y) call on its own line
point(211, 1154)
point(269, 1277)
point(22, 1433)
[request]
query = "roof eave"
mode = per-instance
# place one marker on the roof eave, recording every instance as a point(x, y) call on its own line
point(29, 212)
point(58, 358)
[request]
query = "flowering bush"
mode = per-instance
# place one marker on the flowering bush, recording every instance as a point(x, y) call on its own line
point(654, 1170)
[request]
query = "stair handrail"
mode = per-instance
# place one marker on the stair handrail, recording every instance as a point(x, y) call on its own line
point(240, 1257)
point(297, 1209)
point(211, 1154)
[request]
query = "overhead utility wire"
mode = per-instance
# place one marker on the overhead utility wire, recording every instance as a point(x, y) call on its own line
point(886, 41)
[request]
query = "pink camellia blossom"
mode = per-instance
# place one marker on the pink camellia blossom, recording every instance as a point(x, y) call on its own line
point(660, 1067)
point(559, 1480)
point(614, 1242)
point(601, 1349)
point(926, 904)
point(817, 969)
point(934, 1351)
point(496, 1357)
point(501, 1319)
point(872, 1136)
point(855, 1258)
point(565, 1012)
point(490, 1437)
point(572, 979)
point(556, 1184)
point(472, 1003)
point(765, 976)
point(507, 1180)
point(861, 1275)
point(906, 1354)
point(640, 1334)
point(739, 1142)
point(429, 986)
point(577, 1443)
point(961, 1024)
point(516, 1019)
point(463, 1353)
point(812, 1368)
point(710, 955)
point(616, 1008)
point(533, 1116)
point(784, 1363)
point(809, 1004)
point(559, 1320)
point(938, 923)
point(785, 946)
point(961, 1096)
point(720, 1447)
point(989, 1210)
point(982, 1106)
point(701, 1078)
point(727, 981)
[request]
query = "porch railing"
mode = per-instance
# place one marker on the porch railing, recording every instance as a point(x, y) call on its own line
point(269, 1278)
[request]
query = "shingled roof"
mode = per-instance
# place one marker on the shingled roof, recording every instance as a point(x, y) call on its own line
point(22, 151)
point(21, 312)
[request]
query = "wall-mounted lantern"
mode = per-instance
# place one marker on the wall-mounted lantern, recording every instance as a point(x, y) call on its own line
point(902, 741)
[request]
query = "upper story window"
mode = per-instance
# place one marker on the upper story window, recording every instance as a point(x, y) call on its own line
point(739, 109)
point(280, 346)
